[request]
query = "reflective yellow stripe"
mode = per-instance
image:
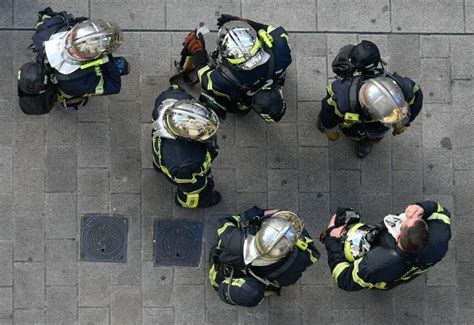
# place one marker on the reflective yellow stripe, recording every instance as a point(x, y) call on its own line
point(235, 282)
point(362, 283)
point(199, 190)
point(285, 36)
point(270, 29)
point(267, 117)
point(99, 89)
point(303, 245)
point(237, 218)
point(213, 275)
point(347, 244)
point(439, 208)
point(266, 38)
point(192, 200)
point(440, 216)
point(226, 225)
point(338, 270)
point(252, 51)
point(202, 71)
point(416, 87)
point(332, 102)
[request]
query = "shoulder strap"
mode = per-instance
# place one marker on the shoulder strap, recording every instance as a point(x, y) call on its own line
point(284, 267)
point(397, 79)
point(353, 97)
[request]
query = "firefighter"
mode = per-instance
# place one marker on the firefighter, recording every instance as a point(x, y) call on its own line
point(394, 252)
point(78, 52)
point(259, 253)
point(247, 71)
point(369, 104)
point(184, 146)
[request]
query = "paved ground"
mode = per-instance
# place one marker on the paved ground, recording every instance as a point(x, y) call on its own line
point(55, 168)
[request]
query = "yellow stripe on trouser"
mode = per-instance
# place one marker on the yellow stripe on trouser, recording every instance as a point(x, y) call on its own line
point(213, 275)
point(362, 283)
point(338, 270)
point(235, 282)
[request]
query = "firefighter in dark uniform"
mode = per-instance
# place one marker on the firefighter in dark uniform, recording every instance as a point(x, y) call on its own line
point(259, 253)
point(184, 147)
point(249, 68)
point(395, 252)
point(79, 53)
point(367, 106)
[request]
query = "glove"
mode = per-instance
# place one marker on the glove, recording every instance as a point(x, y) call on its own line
point(224, 18)
point(398, 129)
point(331, 135)
point(253, 214)
point(194, 43)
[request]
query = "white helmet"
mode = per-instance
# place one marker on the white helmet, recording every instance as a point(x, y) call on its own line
point(186, 119)
point(238, 44)
point(275, 239)
point(383, 98)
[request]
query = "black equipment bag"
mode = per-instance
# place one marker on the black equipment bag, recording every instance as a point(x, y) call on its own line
point(363, 57)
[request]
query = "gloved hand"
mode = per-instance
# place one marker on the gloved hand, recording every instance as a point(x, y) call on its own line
point(331, 135)
point(253, 214)
point(194, 43)
point(398, 129)
point(224, 18)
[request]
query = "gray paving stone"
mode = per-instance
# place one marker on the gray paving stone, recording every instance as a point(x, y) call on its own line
point(308, 134)
point(290, 298)
point(130, 206)
point(436, 276)
point(318, 274)
point(186, 311)
point(283, 180)
point(29, 191)
point(464, 180)
point(60, 258)
point(147, 237)
point(157, 286)
point(312, 76)
point(192, 275)
point(25, 12)
point(158, 316)
point(93, 145)
point(61, 128)
point(462, 97)
point(62, 305)
point(465, 316)
point(6, 263)
point(347, 16)
point(464, 153)
point(6, 132)
point(281, 149)
point(29, 285)
point(378, 306)
point(29, 145)
point(158, 64)
point(461, 62)
point(308, 44)
point(97, 110)
point(251, 173)
point(145, 145)
point(463, 272)
point(345, 181)
point(347, 316)
point(315, 210)
point(407, 188)
point(92, 190)
point(179, 15)
point(437, 128)
point(438, 171)
point(6, 169)
point(409, 303)
point(316, 306)
point(404, 55)
point(157, 195)
point(406, 149)
point(434, 46)
point(283, 200)
point(96, 316)
point(61, 166)
point(436, 80)
point(151, 87)
point(226, 185)
point(296, 16)
point(6, 216)
point(246, 200)
point(6, 18)
point(29, 316)
point(342, 300)
point(221, 316)
point(285, 316)
point(125, 305)
point(441, 304)
point(427, 16)
point(250, 131)
point(125, 170)
point(60, 218)
point(374, 207)
point(342, 154)
point(346, 200)
point(313, 169)
point(6, 305)
point(290, 94)
point(94, 284)
point(128, 273)
point(29, 238)
point(464, 232)
point(124, 124)
point(255, 315)
point(376, 169)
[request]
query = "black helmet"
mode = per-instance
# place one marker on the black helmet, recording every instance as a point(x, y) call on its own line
point(245, 292)
point(32, 78)
point(269, 102)
point(365, 56)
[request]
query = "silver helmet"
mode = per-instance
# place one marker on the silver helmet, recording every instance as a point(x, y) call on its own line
point(238, 44)
point(355, 241)
point(384, 100)
point(90, 39)
point(186, 119)
point(275, 239)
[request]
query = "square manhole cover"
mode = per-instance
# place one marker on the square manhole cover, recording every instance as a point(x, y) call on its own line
point(177, 243)
point(104, 238)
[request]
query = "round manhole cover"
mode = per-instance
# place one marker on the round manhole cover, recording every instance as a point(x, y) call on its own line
point(177, 242)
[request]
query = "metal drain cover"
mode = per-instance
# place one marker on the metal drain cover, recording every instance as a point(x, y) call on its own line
point(177, 243)
point(104, 238)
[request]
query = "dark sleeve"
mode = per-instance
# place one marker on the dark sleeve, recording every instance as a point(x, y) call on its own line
point(433, 210)
point(329, 118)
point(281, 49)
point(111, 75)
point(200, 59)
point(415, 108)
point(212, 82)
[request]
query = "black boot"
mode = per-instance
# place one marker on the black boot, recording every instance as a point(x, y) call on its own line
point(363, 148)
point(210, 200)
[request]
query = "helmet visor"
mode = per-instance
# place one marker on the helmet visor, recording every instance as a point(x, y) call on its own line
point(397, 115)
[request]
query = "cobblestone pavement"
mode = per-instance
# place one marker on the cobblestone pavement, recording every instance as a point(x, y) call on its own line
point(55, 168)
